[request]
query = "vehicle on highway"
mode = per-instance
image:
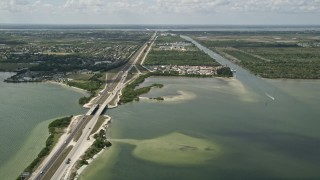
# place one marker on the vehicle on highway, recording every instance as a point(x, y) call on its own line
point(68, 161)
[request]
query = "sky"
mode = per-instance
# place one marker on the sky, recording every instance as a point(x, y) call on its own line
point(213, 12)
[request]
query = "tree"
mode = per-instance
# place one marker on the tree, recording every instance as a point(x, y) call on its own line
point(224, 72)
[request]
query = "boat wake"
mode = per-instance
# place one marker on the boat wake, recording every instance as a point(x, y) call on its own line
point(271, 97)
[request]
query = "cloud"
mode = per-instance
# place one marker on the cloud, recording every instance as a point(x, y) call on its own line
point(171, 6)
point(82, 4)
point(25, 6)
point(190, 6)
point(105, 6)
point(164, 10)
point(280, 6)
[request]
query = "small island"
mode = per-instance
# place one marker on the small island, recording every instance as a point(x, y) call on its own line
point(157, 98)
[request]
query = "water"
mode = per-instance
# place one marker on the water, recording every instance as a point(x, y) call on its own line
point(261, 129)
point(258, 138)
point(26, 110)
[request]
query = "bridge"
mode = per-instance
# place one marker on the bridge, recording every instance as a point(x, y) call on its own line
point(79, 147)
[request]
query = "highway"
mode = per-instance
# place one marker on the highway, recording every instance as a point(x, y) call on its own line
point(79, 147)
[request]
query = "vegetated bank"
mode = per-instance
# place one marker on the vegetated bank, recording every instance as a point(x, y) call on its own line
point(174, 50)
point(292, 55)
point(56, 129)
point(99, 144)
point(130, 93)
point(224, 72)
point(91, 85)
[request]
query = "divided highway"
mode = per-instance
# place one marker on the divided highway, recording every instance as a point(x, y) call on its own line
point(117, 84)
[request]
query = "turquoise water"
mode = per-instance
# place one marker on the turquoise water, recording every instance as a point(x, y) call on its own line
point(258, 138)
point(26, 109)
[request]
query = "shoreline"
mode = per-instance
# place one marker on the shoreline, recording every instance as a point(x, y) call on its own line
point(90, 103)
point(59, 142)
point(104, 126)
point(181, 96)
point(65, 85)
point(178, 97)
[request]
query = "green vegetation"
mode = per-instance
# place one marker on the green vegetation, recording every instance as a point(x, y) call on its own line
point(176, 73)
point(157, 85)
point(294, 55)
point(130, 93)
point(84, 100)
point(56, 129)
point(13, 66)
point(79, 132)
point(89, 85)
point(66, 51)
point(92, 85)
point(169, 39)
point(294, 63)
point(131, 73)
point(174, 50)
point(245, 43)
point(80, 76)
point(224, 72)
point(99, 123)
point(99, 144)
point(158, 98)
point(192, 58)
point(58, 162)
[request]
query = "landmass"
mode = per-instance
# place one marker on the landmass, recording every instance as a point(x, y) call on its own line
point(103, 58)
point(269, 54)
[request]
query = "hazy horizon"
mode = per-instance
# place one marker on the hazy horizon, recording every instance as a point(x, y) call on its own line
point(162, 12)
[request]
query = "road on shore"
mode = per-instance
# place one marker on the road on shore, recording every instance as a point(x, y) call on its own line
point(64, 170)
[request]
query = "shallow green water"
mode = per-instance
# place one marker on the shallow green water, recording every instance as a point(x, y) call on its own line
point(257, 137)
point(25, 112)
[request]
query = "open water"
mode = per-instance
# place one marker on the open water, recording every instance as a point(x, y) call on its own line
point(256, 128)
point(26, 109)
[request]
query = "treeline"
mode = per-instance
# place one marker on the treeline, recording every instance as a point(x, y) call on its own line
point(64, 63)
point(12, 42)
point(170, 39)
point(236, 33)
point(113, 36)
point(130, 93)
point(56, 128)
point(100, 143)
point(286, 65)
point(284, 69)
point(242, 44)
point(84, 100)
point(92, 85)
point(224, 72)
point(192, 58)
point(176, 73)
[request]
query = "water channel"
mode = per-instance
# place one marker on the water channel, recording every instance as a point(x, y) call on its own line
point(217, 128)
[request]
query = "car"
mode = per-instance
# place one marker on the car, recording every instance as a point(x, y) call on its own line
point(68, 161)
